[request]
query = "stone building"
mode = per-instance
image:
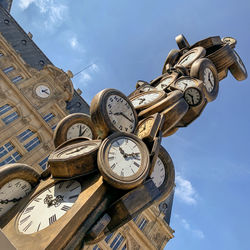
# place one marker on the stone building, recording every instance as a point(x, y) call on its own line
point(34, 96)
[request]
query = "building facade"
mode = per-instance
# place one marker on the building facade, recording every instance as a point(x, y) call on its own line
point(34, 96)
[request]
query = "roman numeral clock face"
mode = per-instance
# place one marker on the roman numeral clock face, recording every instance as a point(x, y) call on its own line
point(48, 206)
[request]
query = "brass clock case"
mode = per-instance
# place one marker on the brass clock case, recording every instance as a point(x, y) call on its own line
point(171, 59)
point(166, 185)
point(194, 54)
point(238, 69)
point(171, 98)
point(166, 81)
point(198, 70)
point(184, 82)
point(193, 96)
point(170, 132)
point(208, 42)
point(182, 42)
point(140, 83)
point(74, 160)
point(143, 88)
point(122, 181)
point(229, 40)
point(70, 122)
point(160, 95)
point(100, 115)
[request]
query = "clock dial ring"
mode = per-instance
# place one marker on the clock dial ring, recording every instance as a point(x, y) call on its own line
point(112, 111)
point(123, 160)
point(18, 179)
point(80, 124)
point(163, 173)
point(193, 96)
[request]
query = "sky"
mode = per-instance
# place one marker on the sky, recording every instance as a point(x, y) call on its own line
point(126, 41)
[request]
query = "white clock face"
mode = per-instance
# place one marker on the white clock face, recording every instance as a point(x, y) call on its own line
point(164, 83)
point(43, 91)
point(146, 88)
point(124, 157)
point(184, 83)
point(192, 96)
point(79, 130)
point(158, 175)
point(48, 206)
point(240, 63)
point(75, 151)
point(120, 113)
point(145, 99)
point(187, 60)
point(13, 190)
point(209, 81)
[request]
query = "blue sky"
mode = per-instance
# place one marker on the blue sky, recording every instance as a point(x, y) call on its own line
point(125, 41)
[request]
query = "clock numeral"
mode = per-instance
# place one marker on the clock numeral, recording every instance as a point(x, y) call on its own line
point(109, 105)
point(37, 199)
point(65, 208)
point(120, 127)
point(28, 209)
point(113, 166)
point(52, 219)
point(24, 186)
point(69, 185)
point(114, 122)
point(73, 188)
point(27, 227)
point(38, 227)
point(73, 196)
point(111, 99)
point(60, 185)
point(111, 158)
point(18, 184)
point(136, 164)
point(24, 219)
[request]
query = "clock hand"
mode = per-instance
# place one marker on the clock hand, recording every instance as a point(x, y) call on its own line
point(191, 97)
point(142, 100)
point(126, 117)
point(80, 131)
point(77, 150)
point(45, 91)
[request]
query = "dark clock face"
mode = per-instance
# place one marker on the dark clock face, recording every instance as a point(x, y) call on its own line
point(193, 96)
point(48, 206)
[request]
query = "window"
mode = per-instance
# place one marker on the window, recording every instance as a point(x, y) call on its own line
point(8, 114)
point(108, 237)
point(8, 154)
point(116, 242)
point(53, 127)
point(43, 163)
point(16, 79)
point(48, 117)
point(31, 143)
point(142, 224)
point(135, 218)
point(96, 247)
point(9, 69)
point(124, 247)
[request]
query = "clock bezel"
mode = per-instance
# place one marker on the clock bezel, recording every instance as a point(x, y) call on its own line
point(42, 84)
point(200, 96)
point(112, 178)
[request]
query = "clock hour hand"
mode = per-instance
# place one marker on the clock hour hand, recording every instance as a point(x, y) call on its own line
point(45, 91)
point(81, 133)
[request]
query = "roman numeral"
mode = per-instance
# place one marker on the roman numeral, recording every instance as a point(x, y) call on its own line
point(26, 228)
point(111, 157)
point(24, 186)
point(28, 209)
point(65, 208)
point(37, 199)
point(52, 219)
point(73, 189)
point(69, 184)
point(24, 219)
point(38, 227)
point(60, 185)
point(73, 196)
point(136, 164)
point(113, 166)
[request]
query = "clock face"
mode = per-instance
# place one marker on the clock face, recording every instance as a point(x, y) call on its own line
point(229, 40)
point(79, 130)
point(43, 91)
point(209, 80)
point(193, 96)
point(184, 83)
point(146, 88)
point(241, 64)
point(48, 206)
point(188, 59)
point(164, 83)
point(124, 157)
point(145, 127)
point(120, 113)
point(158, 174)
point(12, 192)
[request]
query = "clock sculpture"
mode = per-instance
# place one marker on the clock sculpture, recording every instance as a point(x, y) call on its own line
point(110, 166)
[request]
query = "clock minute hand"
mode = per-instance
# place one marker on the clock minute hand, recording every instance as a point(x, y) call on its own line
point(45, 91)
point(126, 117)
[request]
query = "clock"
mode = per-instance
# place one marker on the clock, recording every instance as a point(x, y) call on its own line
point(17, 181)
point(193, 96)
point(184, 82)
point(139, 83)
point(149, 127)
point(182, 42)
point(143, 88)
point(238, 69)
point(222, 56)
point(74, 126)
point(172, 97)
point(74, 160)
point(205, 70)
point(112, 111)
point(207, 43)
point(229, 40)
point(173, 115)
point(171, 59)
point(144, 100)
point(43, 91)
point(188, 58)
point(155, 81)
point(48, 206)
point(56, 211)
point(164, 83)
point(163, 173)
point(123, 160)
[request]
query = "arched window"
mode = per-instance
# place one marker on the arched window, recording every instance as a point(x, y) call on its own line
point(8, 154)
point(116, 241)
point(43, 163)
point(142, 224)
point(29, 139)
point(8, 114)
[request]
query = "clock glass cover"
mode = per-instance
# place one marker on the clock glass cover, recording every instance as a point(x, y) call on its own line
point(79, 130)
point(43, 91)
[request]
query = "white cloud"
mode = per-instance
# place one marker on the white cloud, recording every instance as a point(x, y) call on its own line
point(195, 232)
point(185, 191)
point(53, 11)
point(74, 42)
point(94, 67)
